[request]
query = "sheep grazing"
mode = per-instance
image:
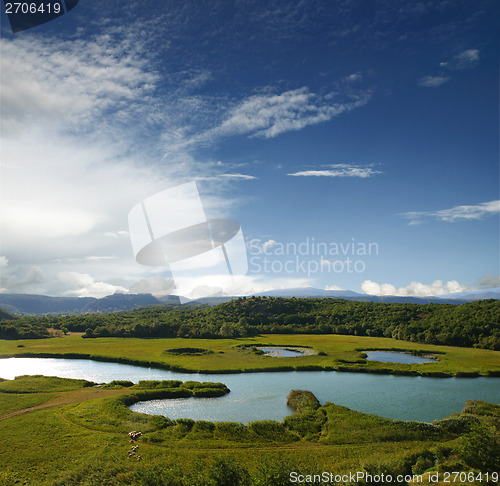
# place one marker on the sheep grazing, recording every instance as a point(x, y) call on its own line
point(131, 453)
point(134, 435)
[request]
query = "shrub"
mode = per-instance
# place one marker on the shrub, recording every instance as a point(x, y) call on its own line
point(480, 448)
point(227, 472)
point(271, 430)
point(124, 383)
point(161, 422)
point(302, 399)
point(232, 431)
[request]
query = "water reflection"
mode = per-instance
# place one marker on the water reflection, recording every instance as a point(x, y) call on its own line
point(259, 396)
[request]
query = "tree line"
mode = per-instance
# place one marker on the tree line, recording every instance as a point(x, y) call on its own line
point(474, 324)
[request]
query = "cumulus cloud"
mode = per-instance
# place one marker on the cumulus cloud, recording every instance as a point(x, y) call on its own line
point(457, 213)
point(84, 285)
point(339, 170)
point(414, 289)
point(265, 246)
point(19, 279)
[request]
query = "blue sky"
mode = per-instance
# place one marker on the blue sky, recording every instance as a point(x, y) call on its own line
point(334, 122)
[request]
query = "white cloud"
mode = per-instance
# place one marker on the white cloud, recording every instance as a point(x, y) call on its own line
point(84, 285)
point(457, 213)
point(269, 115)
point(17, 280)
point(268, 244)
point(353, 78)
point(157, 286)
point(70, 82)
point(339, 170)
point(433, 81)
point(74, 159)
point(219, 177)
point(467, 59)
point(253, 284)
point(414, 289)
point(333, 287)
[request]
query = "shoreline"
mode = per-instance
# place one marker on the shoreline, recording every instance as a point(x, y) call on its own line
point(179, 369)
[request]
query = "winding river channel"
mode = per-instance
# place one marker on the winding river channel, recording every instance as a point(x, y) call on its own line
point(259, 396)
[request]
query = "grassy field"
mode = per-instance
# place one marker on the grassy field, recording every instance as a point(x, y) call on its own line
point(335, 352)
point(55, 431)
point(81, 436)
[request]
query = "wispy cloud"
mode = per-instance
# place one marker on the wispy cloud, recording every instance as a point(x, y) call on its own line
point(339, 170)
point(269, 115)
point(464, 60)
point(433, 81)
point(467, 59)
point(457, 213)
point(221, 177)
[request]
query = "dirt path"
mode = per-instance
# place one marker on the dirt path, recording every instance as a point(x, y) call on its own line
point(65, 398)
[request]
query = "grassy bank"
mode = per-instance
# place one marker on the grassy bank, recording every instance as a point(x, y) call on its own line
point(335, 352)
point(87, 441)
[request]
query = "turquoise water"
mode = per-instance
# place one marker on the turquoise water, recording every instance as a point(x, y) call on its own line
point(259, 396)
point(395, 357)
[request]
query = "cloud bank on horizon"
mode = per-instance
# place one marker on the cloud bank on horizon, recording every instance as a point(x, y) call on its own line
point(300, 121)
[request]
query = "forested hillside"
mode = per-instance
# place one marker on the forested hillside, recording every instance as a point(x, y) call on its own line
point(475, 324)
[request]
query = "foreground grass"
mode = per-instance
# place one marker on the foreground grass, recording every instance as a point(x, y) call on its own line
point(336, 352)
point(87, 441)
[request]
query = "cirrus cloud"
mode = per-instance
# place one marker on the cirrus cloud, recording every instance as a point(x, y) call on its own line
point(269, 115)
point(433, 81)
point(457, 213)
point(339, 170)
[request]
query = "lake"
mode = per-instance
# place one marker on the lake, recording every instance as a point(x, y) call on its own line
point(259, 396)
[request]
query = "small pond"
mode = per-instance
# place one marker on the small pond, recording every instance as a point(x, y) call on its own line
point(276, 352)
point(395, 357)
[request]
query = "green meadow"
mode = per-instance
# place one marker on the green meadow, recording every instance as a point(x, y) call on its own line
point(56, 431)
point(334, 352)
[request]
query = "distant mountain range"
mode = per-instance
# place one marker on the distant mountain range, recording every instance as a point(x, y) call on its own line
point(474, 294)
point(43, 304)
point(350, 295)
